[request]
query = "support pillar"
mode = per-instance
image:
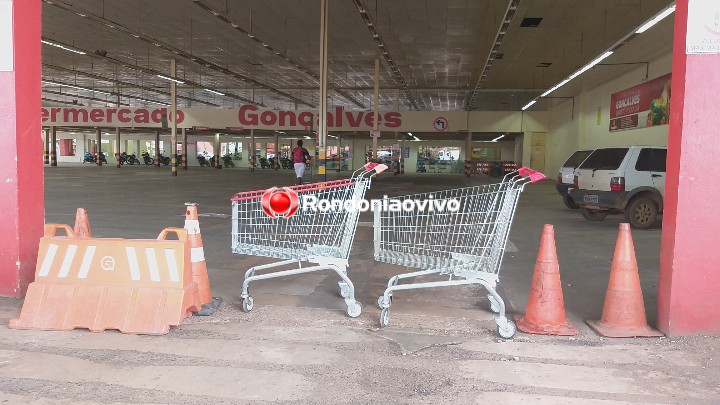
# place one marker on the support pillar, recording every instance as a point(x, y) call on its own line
point(53, 147)
point(98, 147)
point(157, 148)
point(173, 114)
point(322, 128)
point(46, 155)
point(21, 196)
point(468, 154)
point(276, 161)
point(402, 155)
point(376, 105)
point(339, 154)
point(118, 143)
point(218, 159)
point(252, 150)
point(689, 282)
point(185, 149)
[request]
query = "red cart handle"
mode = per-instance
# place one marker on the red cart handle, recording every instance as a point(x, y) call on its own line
point(534, 175)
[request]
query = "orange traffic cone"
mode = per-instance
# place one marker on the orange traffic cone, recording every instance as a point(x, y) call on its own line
point(624, 310)
point(82, 224)
point(197, 255)
point(545, 312)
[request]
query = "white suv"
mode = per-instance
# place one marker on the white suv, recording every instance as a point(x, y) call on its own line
point(629, 179)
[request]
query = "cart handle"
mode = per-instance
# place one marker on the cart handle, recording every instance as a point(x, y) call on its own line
point(534, 175)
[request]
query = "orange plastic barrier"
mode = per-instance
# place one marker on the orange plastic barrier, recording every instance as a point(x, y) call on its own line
point(133, 285)
point(197, 254)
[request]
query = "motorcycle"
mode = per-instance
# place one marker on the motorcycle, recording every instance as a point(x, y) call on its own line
point(228, 161)
point(89, 157)
point(128, 159)
point(203, 161)
point(147, 159)
point(164, 160)
point(286, 163)
point(264, 163)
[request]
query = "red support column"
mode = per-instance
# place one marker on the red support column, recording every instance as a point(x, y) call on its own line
point(21, 196)
point(689, 285)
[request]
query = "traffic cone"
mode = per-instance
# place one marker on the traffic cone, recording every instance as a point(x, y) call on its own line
point(624, 310)
point(545, 312)
point(82, 224)
point(197, 254)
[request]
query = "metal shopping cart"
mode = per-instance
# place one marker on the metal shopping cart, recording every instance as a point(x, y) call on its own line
point(302, 232)
point(466, 245)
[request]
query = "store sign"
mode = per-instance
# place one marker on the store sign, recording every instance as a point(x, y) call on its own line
point(7, 55)
point(703, 27)
point(375, 134)
point(641, 106)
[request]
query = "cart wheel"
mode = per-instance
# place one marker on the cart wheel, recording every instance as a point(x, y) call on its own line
point(385, 317)
point(344, 290)
point(354, 310)
point(508, 331)
point(494, 305)
point(247, 304)
point(380, 302)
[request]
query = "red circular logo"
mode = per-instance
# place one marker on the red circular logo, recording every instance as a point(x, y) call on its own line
point(280, 202)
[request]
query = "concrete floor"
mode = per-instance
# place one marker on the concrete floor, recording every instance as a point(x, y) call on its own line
point(298, 346)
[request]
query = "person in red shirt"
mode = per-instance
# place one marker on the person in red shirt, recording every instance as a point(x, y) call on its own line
point(300, 155)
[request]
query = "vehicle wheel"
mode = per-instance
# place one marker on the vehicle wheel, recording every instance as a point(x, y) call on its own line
point(354, 310)
point(570, 203)
point(508, 331)
point(385, 317)
point(641, 213)
point(594, 215)
point(494, 305)
point(380, 301)
point(247, 304)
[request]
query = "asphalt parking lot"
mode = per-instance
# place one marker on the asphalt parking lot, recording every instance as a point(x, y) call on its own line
point(298, 346)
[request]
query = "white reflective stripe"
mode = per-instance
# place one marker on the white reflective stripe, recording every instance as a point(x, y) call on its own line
point(87, 259)
point(67, 261)
point(192, 226)
point(132, 261)
point(47, 261)
point(152, 263)
point(172, 265)
point(197, 255)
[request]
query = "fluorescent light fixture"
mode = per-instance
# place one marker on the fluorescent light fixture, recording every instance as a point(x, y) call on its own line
point(574, 75)
point(62, 47)
point(499, 138)
point(75, 87)
point(410, 133)
point(528, 105)
point(555, 87)
point(214, 92)
point(307, 137)
point(656, 19)
point(280, 132)
point(171, 79)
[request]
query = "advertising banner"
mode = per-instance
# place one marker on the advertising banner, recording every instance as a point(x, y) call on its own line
point(641, 106)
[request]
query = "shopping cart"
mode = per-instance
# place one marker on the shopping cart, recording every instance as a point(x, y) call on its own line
point(466, 246)
point(303, 234)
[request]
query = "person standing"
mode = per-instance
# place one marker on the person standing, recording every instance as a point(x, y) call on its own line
point(300, 156)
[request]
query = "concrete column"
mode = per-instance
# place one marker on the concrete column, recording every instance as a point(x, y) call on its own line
point(688, 298)
point(402, 156)
point(322, 128)
point(46, 155)
point(157, 148)
point(185, 149)
point(277, 152)
point(98, 147)
point(252, 150)
point(118, 142)
point(468, 154)
point(53, 147)
point(21, 196)
point(173, 114)
point(218, 159)
point(376, 106)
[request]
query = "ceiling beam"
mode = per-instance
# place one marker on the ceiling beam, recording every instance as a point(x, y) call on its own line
point(384, 52)
point(124, 84)
point(233, 24)
point(150, 72)
point(169, 48)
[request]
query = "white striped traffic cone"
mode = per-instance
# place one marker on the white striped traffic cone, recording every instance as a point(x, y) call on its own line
point(197, 255)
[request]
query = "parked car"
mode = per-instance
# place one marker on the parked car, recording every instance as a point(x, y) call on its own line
point(566, 176)
point(622, 179)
